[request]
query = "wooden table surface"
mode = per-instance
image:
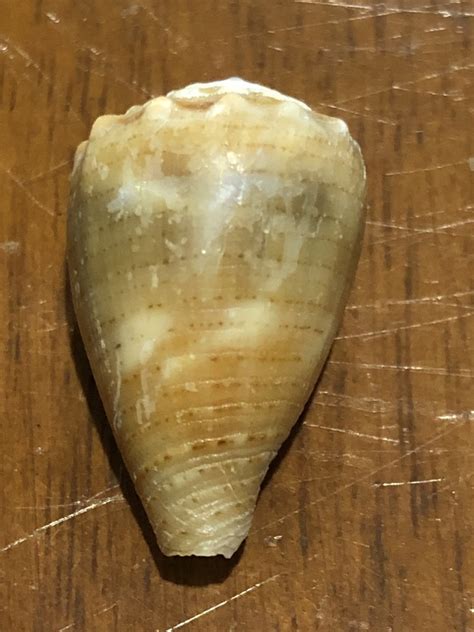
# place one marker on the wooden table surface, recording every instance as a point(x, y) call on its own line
point(366, 520)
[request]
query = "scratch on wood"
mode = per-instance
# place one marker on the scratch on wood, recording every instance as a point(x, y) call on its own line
point(59, 521)
point(359, 114)
point(6, 45)
point(467, 415)
point(454, 67)
point(401, 483)
point(221, 604)
point(431, 230)
point(95, 614)
point(131, 85)
point(405, 367)
point(48, 172)
point(301, 27)
point(338, 5)
point(402, 86)
point(393, 330)
point(10, 49)
point(353, 433)
point(426, 169)
point(52, 17)
point(437, 299)
point(372, 405)
point(106, 609)
point(456, 97)
point(388, 11)
point(365, 95)
point(75, 503)
point(28, 193)
point(364, 478)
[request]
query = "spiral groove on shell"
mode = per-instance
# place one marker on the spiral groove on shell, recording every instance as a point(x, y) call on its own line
point(213, 236)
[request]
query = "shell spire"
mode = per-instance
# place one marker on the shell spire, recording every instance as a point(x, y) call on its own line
point(213, 235)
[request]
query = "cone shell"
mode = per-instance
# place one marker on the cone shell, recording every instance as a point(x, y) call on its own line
point(213, 235)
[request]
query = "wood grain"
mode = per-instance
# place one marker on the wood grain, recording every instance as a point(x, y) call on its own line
point(367, 518)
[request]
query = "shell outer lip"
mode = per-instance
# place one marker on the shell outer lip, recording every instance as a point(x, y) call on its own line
point(232, 85)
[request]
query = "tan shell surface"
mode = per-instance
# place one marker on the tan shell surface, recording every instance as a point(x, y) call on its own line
point(212, 241)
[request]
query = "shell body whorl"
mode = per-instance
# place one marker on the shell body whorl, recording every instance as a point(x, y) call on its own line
point(212, 238)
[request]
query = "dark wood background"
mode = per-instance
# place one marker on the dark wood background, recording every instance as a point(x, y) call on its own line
point(366, 521)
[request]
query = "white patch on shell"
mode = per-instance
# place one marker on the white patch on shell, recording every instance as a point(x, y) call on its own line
point(103, 170)
point(259, 319)
point(147, 401)
point(245, 326)
point(154, 276)
point(138, 335)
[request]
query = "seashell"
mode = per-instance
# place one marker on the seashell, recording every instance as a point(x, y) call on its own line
point(213, 235)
